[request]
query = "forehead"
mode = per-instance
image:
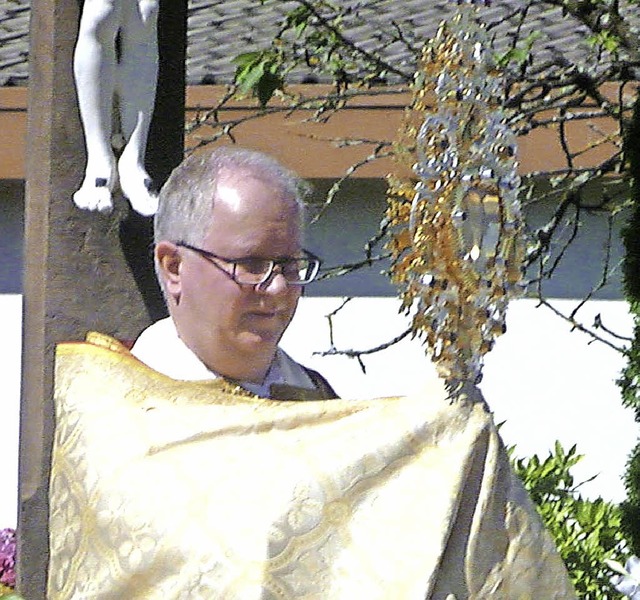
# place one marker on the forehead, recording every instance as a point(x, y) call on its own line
point(254, 213)
point(250, 194)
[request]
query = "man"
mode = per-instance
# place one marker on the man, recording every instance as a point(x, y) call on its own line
point(230, 260)
point(162, 488)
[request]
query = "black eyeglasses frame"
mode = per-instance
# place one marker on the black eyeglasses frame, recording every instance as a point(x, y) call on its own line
point(314, 264)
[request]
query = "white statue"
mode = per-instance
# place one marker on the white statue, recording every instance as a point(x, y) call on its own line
point(116, 63)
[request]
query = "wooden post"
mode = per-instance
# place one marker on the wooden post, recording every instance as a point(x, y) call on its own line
point(83, 271)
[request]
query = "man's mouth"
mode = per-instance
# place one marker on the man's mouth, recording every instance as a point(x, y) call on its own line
point(264, 314)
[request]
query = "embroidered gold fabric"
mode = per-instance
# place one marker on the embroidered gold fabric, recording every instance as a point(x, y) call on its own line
point(186, 490)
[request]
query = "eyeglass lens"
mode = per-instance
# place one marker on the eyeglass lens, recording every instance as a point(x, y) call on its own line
point(294, 270)
point(254, 271)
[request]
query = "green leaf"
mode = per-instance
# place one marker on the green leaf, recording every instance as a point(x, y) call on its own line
point(267, 85)
point(298, 19)
point(258, 73)
point(606, 40)
point(247, 59)
point(514, 55)
point(520, 54)
point(247, 79)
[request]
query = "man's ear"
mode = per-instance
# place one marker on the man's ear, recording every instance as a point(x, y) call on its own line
point(169, 261)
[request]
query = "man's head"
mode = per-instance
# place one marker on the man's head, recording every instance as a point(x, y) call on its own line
point(235, 204)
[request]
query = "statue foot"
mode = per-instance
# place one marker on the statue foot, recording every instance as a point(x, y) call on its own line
point(95, 194)
point(138, 188)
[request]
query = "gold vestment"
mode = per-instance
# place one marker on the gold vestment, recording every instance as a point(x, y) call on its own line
point(163, 490)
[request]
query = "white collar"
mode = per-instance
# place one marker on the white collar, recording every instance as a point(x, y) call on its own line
point(160, 347)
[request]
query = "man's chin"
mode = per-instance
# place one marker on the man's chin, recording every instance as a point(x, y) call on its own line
point(261, 339)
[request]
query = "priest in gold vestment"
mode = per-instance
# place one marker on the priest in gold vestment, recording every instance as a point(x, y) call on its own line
point(183, 470)
point(206, 463)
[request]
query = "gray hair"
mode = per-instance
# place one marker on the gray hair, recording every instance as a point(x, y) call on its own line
point(186, 200)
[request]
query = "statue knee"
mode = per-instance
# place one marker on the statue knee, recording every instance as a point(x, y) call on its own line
point(100, 19)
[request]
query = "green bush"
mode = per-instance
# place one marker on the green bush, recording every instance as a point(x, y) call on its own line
point(587, 533)
point(629, 381)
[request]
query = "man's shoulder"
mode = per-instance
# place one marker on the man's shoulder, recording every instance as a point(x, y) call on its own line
point(297, 374)
point(159, 346)
point(321, 384)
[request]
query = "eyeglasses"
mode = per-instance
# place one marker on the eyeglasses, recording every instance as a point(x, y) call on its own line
point(255, 271)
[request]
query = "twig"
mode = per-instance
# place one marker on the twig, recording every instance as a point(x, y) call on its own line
point(580, 327)
point(358, 354)
point(376, 60)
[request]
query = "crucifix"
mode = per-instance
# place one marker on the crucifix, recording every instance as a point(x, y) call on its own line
point(84, 270)
point(116, 62)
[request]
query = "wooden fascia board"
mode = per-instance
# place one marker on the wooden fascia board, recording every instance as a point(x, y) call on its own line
point(314, 149)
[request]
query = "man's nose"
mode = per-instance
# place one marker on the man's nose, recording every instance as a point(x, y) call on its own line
point(276, 283)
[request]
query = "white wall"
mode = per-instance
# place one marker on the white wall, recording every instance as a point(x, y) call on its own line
point(544, 381)
point(10, 361)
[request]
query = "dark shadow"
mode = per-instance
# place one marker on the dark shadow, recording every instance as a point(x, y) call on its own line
point(136, 240)
point(11, 235)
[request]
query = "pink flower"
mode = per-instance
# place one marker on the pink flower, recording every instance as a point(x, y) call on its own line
point(8, 557)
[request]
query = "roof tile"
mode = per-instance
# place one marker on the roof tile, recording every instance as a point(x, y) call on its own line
point(218, 30)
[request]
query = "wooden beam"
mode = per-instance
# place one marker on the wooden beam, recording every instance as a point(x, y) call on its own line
point(83, 270)
point(308, 147)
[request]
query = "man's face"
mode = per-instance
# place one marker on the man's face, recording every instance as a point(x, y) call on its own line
point(234, 329)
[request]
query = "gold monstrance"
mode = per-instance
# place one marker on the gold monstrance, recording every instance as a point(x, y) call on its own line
point(457, 245)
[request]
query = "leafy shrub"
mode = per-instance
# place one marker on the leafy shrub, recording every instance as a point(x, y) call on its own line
point(587, 533)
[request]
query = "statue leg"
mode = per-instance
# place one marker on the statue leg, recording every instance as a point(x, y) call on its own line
point(137, 78)
point(94, 69)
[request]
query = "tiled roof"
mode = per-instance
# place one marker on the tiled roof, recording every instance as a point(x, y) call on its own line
point(218, 30)
point(14, 41)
